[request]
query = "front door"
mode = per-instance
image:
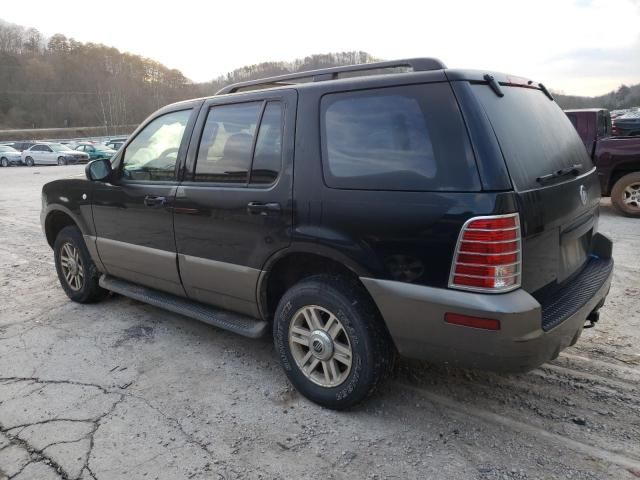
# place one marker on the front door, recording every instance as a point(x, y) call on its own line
point(233, 209)
point(132, 213)
point(43, 154)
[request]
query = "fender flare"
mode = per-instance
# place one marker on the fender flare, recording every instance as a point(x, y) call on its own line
point(301, 247)
point(56, 208)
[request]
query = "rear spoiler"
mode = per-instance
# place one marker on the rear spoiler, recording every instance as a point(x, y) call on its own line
point(495, 80)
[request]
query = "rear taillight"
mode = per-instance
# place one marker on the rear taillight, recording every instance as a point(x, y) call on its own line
point(488, 254)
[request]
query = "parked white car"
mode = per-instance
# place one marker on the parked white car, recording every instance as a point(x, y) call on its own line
point(9, 156)
point(52, 154)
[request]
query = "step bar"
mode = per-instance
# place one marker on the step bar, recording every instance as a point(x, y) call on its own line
point(234, 322)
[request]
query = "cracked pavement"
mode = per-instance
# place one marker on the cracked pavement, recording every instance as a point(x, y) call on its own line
point(123, 390)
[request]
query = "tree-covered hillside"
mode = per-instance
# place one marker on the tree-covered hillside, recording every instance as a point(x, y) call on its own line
point(623, 97)
point(60, 82)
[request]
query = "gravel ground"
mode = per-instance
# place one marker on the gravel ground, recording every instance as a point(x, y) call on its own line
point(124, 390)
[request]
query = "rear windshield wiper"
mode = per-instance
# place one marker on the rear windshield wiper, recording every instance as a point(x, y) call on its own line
point(572, 170)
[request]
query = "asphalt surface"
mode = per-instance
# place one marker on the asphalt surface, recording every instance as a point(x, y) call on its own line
point(122, 390)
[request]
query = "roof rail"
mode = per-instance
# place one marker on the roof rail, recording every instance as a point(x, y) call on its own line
point(417, 64)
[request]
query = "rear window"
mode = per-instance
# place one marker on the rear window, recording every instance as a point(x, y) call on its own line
point(399, 138)
point(535, 135)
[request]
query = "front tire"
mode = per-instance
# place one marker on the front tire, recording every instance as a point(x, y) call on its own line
point(62, 161)
point(332, 343)
point(77, 273)
point(4, 162)
point(29, 161)
point(625, 195)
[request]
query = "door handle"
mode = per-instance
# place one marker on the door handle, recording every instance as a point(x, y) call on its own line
point(261, 208)
point(153, 201)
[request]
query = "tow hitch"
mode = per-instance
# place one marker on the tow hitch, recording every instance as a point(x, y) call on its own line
point(592, 319)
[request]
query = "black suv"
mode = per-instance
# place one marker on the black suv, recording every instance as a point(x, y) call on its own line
point(447, 215)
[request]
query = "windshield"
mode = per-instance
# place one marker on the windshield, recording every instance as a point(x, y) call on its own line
point(58, 147)
point(536, 137)
point(6, 148)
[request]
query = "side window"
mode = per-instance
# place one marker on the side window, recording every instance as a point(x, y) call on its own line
point(607, 123)
point(153, 153)
point(268, 154)
point(397, 138)
point(224, 154)
point(379, 134)
point(38, 148)
point(46, 149)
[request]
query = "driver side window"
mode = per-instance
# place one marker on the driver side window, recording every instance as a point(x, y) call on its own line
point(152, 155)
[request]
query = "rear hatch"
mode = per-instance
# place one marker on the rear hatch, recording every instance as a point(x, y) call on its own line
point(554, 180)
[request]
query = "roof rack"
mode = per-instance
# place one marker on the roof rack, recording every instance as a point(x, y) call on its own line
point(323, 74)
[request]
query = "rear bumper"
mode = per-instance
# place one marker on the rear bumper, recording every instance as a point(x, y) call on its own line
point(14, 160)
point(414, 315)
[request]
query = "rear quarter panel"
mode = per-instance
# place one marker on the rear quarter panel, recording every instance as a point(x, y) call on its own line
point(394, 235)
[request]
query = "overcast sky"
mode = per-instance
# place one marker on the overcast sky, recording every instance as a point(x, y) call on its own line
point(582, 47)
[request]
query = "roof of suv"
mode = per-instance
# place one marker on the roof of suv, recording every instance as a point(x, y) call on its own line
point(404, 70)
point(335, 73)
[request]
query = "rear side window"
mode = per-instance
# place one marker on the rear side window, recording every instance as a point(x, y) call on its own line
point(229, 149)
point(225, 148)
point(535, 135)
point(399, 138)
point(268, 154)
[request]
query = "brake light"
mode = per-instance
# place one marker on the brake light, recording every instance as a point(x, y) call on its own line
point(488, 254)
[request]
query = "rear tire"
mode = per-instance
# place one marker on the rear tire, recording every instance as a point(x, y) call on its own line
point(29, 162)
point(4, 162)
point(337, 320)
point(77, 273)
point(625, 195)
point(62, 161)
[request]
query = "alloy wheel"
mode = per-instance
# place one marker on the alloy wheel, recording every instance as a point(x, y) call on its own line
point(71, 266)
point(320, 346)
point(631, 195)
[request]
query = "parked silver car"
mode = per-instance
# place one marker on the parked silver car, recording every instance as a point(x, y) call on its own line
point(52, 154)
point(9, 156)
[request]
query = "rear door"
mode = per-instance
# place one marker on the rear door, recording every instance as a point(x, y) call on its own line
point(49, 156)
point(233, 209)
point(558, 212)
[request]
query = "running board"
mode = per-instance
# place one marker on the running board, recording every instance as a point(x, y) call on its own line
point(234, 322)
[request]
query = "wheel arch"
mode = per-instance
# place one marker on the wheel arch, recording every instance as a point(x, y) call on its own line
point(620, 171)
point(55, 220)
point(289, 266)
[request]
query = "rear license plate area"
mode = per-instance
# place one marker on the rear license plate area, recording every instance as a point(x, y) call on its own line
point(574, 250)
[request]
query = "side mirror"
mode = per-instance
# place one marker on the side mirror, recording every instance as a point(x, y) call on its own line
point(98, 170)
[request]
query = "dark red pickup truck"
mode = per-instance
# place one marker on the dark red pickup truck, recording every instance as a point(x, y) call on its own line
point(617, 158)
